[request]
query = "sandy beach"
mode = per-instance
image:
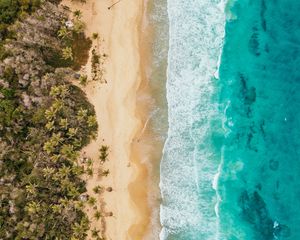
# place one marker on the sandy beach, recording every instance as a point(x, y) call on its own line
point(120, 121)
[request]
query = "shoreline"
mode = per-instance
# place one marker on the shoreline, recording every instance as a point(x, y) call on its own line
point(121, 115)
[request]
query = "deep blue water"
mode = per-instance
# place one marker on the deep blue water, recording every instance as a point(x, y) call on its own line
point(231, 164)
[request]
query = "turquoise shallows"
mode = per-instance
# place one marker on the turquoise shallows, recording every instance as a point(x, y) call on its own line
point(231, 163)
point(259, 182)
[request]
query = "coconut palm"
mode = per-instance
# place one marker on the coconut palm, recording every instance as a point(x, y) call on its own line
point(57, 105)
point(103, 153)
point(105, 173)
point(33, 207)
point(79, 230)
point(77, 14)
point(54, 91)
point(63, 123)
point(64, 171)
point(97, 189)
point(82, 114)
point(95, 233)
point(56, 139)
point(57, 208)
point(89, 171)
point(92, 201)
point(50, 126)
point(68, 152)
point(92, 121)
point(64, 91)
point(67, 53)
point(64, 33)
point(55, 157)
point(50, 114)
point(31, 189)
point(49, 147)
point(72, 132)
point(97, 215)
point(48, 172)
point(79, 26)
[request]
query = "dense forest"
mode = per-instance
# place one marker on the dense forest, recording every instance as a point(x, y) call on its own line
point(44, 122)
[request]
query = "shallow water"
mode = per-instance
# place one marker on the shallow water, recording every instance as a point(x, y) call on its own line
point(259, 77)
point(230, 163)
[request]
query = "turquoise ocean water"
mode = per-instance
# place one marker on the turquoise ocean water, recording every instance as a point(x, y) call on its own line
point(231, 166)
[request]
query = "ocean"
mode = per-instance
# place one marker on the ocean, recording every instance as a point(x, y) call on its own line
point(230, 164)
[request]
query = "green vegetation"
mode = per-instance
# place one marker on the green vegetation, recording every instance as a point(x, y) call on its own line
point(44, 122)
point(75, 44)
point(103, 153)
point(10, 10)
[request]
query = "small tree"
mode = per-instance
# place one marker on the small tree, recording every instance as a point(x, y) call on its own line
point(92, 201)
point(64, 33)
point(95, 36)
point(67, 53)
point(105, 173)
point(77, 14)
point(97, 189)
point(103, 153)
point(97, 215)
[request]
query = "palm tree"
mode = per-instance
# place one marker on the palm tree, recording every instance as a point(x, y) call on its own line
point(79, 230)
point(48, 172)
point(49, 147)
point(31, 188)
point(103, 153)
point(50, 114)
point(77, 170)
point(95, 233)
point(82, 114)
point(54, 92)
point(97, 215)
point(77, 14)
point(63, 123)
point(64, 91)
point(89, 171)
point(57, 208)
point(55, 157)
point(83, 80)
point(57, 105)
point(92, 121)
point(92, 201)
point(72, 132)
point(56, 139)
point(78, 26)
point(50, 126)
point(105, 173)
point(64, 172)
point(68, 152)
point(63, 32)
point(89, 162)
point(73, 192)
point(97, 189)
point(33, 207)
point(67, 53)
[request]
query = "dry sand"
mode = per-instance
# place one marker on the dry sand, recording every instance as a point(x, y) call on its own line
point(120, 124)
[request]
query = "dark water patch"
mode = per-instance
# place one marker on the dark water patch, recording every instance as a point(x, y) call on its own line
point(255, 212)
point(262, 15)
point(254, 42)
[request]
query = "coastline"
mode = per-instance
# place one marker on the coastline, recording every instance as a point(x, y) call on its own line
point(121, 121)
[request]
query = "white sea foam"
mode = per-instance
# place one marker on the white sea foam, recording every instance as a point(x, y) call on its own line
point(188, 167)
